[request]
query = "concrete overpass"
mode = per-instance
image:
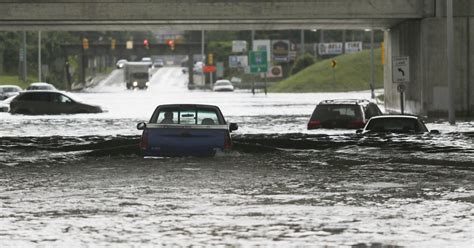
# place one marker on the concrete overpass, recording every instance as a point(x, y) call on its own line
point(414, 28)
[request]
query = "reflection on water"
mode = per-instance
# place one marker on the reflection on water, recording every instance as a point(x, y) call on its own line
point(69, 180)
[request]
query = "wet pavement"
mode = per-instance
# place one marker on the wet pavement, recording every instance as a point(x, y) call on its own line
point(77, 180)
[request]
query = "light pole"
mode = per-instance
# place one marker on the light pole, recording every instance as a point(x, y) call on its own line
point(39, 56)
point(450, 50)
point(372, 63)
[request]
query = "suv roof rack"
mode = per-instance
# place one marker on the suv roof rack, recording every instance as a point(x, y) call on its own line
point(346, 100)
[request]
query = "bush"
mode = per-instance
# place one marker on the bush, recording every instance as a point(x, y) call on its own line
point(301, 63)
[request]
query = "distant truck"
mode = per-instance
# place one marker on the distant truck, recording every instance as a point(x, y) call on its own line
point(136, 74)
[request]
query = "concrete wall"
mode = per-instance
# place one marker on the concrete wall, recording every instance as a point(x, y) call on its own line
point(424, 41)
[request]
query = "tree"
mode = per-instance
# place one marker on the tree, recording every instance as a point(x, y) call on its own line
point(301, 63)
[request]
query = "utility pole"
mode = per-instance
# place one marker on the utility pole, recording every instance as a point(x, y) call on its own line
point(450, 50)
point(202, 60)
point(24, 71)
point(252, 37)
point(39, 56)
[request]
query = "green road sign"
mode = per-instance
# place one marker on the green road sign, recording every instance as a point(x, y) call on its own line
point(258, 61)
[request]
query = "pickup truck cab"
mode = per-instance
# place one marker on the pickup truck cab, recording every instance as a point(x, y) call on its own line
point(185, 130)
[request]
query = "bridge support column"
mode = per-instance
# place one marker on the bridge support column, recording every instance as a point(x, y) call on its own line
point(424, 41)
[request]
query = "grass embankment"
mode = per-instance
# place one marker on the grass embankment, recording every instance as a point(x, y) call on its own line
point(352, 74)
point(14, 80)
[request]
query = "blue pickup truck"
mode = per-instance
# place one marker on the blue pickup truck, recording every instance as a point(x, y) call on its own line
point(185, 130)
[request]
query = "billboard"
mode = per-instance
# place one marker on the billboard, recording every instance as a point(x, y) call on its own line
point(280, 50)
point(238, 61)
point(334, 48)
point(239, 46)
point(262, 45)
point(353, 46)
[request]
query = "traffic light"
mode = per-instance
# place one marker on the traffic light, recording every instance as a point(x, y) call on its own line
point(170, 43)
point(210, 59)
point(85, 43)
point(146, 44)
point(113, 43)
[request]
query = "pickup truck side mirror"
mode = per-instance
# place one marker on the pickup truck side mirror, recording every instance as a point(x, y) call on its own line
point(359, 131)
point(434, 132)
point(233, 126)
point(141, 126)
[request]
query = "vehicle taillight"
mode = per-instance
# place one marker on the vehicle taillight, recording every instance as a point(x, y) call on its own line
point(227, 143)
point(356, 124)
point(314, 124)
point(144, 141)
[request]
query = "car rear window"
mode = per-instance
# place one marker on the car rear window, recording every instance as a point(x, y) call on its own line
point(187, 116)
point(395, 125)
point(336, 111)
point(140, 75)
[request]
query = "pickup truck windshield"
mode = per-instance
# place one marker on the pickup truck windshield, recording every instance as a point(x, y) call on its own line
point(187, 116)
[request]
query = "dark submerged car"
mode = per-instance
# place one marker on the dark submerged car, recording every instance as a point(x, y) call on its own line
point(45, 102)
point(185, 130)
point(396, 124)
point(343, 113)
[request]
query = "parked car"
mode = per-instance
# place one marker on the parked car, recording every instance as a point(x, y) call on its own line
point(395, 124)
point(186, 130)
point(158, 63)
point(343, 113)
point(120, 63)
point(41, 86)
point(7, 91)
point(49, 102)
point(223, 85)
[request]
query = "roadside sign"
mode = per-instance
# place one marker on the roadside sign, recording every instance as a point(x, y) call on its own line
point(400, 69)
point(258, 61)
point(208, 69)
point(333, 63)
point(401, 88)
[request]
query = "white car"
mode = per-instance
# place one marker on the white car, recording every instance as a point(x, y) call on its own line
point(7, 91)
point(5, 104)
point(41, 86)
point(121, 63)
point(223, 85)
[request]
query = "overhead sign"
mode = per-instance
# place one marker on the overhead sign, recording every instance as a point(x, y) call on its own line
point(238, 61)
point(258, 61)
point(400, 69)
point(280, 50)
point(334, 48)
point(239, 46)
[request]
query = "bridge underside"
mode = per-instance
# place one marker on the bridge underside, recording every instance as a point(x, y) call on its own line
point(90, 15)
point(153, 25)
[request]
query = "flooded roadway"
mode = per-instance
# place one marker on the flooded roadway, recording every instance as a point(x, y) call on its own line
point(76, 180)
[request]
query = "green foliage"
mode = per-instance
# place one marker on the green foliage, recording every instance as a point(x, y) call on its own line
point(351, 74)
point(301, 63)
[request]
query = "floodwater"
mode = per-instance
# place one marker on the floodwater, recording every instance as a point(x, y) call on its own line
point(78, 180)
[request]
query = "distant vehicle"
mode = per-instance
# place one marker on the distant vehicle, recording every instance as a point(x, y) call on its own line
point(186, 130)
point(396, 124)
point(146, 59)
point(158, 63)
point(343, 113)
point(137, 75)
point(49, 103)
point(41, 86)
point(223, 85)
point(121, 63)
point(7, 91)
